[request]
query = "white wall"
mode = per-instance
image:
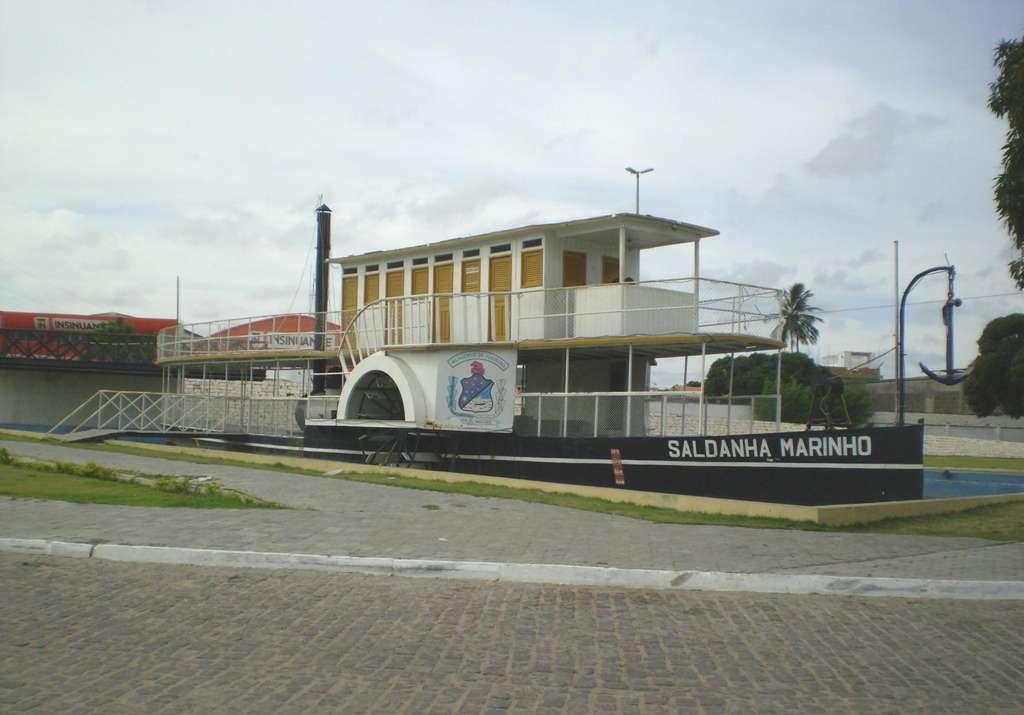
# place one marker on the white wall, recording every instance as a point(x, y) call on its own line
point(44, 397)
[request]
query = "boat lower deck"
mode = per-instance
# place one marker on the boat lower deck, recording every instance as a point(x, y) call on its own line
point(808, 468)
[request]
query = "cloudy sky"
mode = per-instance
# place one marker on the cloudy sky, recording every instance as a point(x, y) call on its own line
point(144, 140)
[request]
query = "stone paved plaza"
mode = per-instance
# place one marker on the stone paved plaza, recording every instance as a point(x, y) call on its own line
point(92, 636)
point(100, 636)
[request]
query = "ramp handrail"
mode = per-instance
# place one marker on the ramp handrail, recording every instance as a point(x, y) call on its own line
point(162, 412)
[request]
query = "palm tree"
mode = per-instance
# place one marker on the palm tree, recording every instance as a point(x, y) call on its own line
point(796, 318)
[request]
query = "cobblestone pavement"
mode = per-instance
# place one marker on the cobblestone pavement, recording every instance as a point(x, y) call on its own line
point(89, 636)
point(369, 520)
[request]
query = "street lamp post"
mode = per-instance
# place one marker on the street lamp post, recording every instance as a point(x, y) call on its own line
point(637, 173)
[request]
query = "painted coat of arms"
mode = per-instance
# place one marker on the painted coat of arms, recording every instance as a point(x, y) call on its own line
point(475, 387)
point(476, 390)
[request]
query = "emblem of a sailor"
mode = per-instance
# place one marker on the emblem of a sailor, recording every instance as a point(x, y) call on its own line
point(476, 390)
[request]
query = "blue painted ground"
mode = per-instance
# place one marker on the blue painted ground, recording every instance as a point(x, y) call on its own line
point(940, 484)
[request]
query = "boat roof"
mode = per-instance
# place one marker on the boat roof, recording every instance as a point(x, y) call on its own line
point(660, 231)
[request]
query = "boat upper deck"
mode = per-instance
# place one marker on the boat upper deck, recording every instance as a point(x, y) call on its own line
point(572, 284)
point(673, 317)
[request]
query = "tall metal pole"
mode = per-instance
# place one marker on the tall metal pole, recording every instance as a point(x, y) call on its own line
point(636, 173)
point(177, 300)
point(897, 358)
point(322, 278)
point(778, 392)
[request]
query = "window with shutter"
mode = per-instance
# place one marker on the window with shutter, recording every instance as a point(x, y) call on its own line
point(574, 268)
point(349, 298)
point(395, 288)
point(371, 288)
point(500, 280)
point(471, 276)
point(420, 281)
point(443, 284)
point(532, 269)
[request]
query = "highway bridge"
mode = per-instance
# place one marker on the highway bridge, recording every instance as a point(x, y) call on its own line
point(51, 362)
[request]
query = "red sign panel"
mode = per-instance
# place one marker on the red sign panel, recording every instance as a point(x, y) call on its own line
point(620, 476)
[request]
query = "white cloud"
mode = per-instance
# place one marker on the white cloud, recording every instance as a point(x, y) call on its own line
point(868, 141)
point(142, 141)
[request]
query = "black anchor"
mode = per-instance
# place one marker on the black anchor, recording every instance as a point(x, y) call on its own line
point(951, 375)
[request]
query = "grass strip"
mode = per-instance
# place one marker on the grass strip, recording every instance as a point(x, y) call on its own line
point(96, 484)
point(998, 522)
point(27, 483)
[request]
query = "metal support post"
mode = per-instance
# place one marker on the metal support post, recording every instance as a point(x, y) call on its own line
point(224, 421)
point(778, 392)
point(629, 390)
point(664, 409)
point(728, 404)
point(622, 255)
point(565, 397)
point(703, 375)
point(696, 289)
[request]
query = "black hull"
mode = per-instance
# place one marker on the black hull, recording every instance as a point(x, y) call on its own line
point(809, 468)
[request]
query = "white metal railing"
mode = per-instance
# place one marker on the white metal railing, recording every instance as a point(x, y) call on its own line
point(643, 414)
point(667, 307)
point(663, 307)
point(288, 332)
point(157, 412)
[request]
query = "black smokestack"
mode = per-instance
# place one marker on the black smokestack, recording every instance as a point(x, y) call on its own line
point(323, 253)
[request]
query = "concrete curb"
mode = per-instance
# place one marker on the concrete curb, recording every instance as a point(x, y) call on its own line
point(533, 573)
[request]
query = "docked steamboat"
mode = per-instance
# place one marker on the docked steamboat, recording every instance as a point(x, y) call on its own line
point(522, 353)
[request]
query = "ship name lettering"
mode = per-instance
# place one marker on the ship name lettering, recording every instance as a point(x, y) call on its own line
point(715, 448)
point(837, 446)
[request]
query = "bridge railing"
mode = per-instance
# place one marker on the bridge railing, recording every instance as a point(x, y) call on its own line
point(298, 333)
point(163, 412)
point(104, 348)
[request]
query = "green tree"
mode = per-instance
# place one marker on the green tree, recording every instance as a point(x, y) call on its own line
point(997, 380)
point(797, 318)
point(117, 326)
point(754, 374)
point(1007, 100)
point(753, 371)
point(796, 402)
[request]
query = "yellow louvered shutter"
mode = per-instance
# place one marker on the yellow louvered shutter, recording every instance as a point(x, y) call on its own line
point(371, 287)
point(501, 274)
point(501, 280)
point(395, 288)
point(396, 284)
point(574, 269)
point(443, 284)
point(349, 298)
point(471, 276)
point(420, 281)
point(533, 269)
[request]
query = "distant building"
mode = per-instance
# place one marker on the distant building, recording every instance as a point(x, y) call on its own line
point(695, 389)
point(851, 362)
